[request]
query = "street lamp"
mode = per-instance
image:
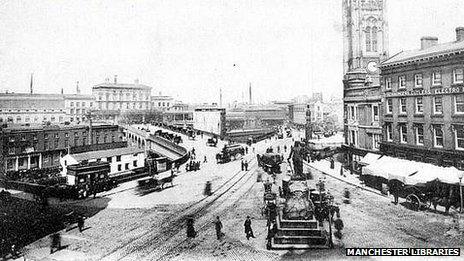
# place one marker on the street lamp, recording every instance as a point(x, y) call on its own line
point(460, 176)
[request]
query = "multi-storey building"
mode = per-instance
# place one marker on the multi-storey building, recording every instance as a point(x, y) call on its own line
point(21, 108)
point(210, 120)
point(113, 98)
point(31, 108)
point(162, 102)
point(40, 146)
point(365, 44)
point(423, 107)
point(78, 106)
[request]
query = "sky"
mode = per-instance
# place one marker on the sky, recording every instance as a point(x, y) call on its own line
point(192, 49)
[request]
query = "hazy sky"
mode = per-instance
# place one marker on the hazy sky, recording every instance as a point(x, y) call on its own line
point(188, 48)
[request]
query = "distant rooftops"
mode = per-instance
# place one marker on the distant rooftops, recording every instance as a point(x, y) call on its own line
point(107, 85)
point(429, 49)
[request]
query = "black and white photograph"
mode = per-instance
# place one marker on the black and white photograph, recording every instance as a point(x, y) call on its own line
point(231, 130)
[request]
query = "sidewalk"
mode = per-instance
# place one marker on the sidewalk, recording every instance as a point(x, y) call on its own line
point(352, 179)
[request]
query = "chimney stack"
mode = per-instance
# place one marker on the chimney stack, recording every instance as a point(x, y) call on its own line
point(459, 34)
point(115, 79)
point(78, 91)
point(428, 41)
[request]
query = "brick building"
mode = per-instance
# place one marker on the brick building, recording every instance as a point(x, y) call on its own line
point(40, 146)
point(423, 103)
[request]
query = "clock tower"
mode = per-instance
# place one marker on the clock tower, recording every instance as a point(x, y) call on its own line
point(365, 45)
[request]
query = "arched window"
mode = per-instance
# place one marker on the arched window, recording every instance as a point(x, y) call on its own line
point(368, 39)
point(374, 39)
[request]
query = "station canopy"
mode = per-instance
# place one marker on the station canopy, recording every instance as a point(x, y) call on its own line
point(410, 172)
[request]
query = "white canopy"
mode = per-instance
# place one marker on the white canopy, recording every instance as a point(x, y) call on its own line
point(369, 158)
point(411, 172)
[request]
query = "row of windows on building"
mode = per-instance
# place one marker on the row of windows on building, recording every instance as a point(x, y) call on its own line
point(33, 110)
point(29, 119)
point(78, 104)
point(118, 159)
point(115, 97)
point(77, 111)
point(436, 79)
point(437, 133)
point(120, 105)
point(437, 107)
point(352, 111)
point(375, 139)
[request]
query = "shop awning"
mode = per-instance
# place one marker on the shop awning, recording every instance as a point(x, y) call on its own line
point(411, 172)
point(369, 158)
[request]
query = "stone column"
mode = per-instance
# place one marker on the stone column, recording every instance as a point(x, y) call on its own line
point(16, 163)
point(29, 161)
point(40, 161)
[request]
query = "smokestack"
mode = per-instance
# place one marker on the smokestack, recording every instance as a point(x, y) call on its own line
point(459, 34)
point(428, 41)
point(32, 83)
point(251, 100)
point(115, 79)
point(78, 91)
point(62, 91)
point(220, 97)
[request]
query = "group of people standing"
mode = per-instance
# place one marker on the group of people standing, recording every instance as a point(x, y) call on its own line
point(191, 233)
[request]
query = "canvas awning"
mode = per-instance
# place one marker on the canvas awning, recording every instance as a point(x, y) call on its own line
point(411, 172)
point(369, 158)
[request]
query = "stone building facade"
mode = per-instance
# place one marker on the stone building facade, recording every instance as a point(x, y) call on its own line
point(365, 34)
point(113, 98)
point(423, 103)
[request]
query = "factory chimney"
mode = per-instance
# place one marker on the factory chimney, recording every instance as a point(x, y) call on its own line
point(115, 79)
point(220, 97)
point(78, 91)
point(251, 100)
point(32, 83)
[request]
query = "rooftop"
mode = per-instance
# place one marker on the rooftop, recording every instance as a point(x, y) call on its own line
point(426, 53)
point(99, 154)
point(108, 85)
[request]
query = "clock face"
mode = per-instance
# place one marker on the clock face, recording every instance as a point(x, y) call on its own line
point(372, 67)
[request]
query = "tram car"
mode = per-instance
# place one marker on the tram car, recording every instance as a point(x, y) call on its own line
point(89, 178)
point(230, 153)
point(270, 162)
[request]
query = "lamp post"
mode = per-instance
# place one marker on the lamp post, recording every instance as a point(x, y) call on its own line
point(460, 176)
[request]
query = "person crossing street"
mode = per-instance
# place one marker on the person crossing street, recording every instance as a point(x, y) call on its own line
point(218, 226)
point(248, 229)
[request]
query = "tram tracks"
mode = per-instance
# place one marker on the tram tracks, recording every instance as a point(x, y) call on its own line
point(174, 223)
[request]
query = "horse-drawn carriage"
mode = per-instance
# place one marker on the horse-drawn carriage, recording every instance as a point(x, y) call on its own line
point(212, 142)
point(435, 193)
point(154, 183)
point(229, 153)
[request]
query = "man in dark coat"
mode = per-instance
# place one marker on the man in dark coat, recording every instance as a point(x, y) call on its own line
point(80, 223)
point(218, 225)
point(248, 230)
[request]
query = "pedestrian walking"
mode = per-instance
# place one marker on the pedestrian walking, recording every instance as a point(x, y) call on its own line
point(245, 164)
point(248, 229)
point(204, 161)
point(278, 149)
point(191, 233)
point(55, 243)
point(246, 150)
point(285, 148)
point(80, 223)
point(332, 163)
point(253, 149)
point(218, 225)
point(338, 224)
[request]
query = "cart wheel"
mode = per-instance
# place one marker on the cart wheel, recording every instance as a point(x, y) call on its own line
point(413, 202)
